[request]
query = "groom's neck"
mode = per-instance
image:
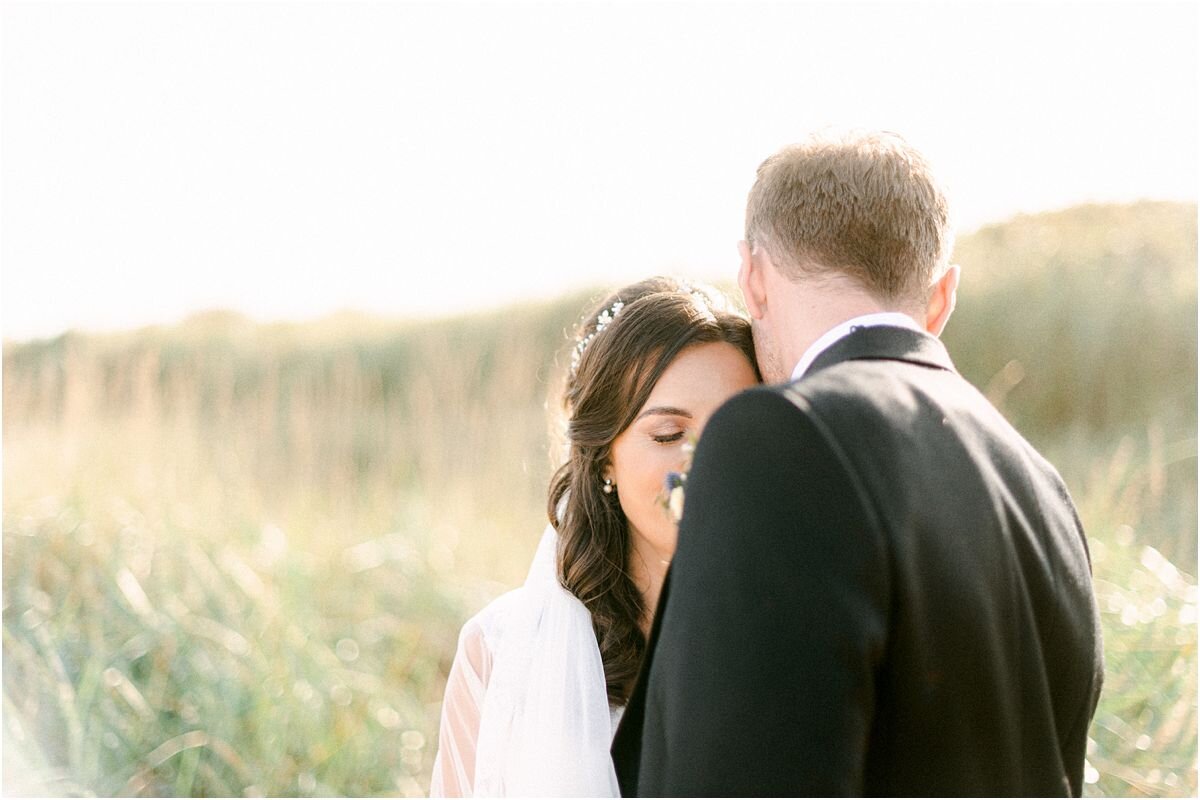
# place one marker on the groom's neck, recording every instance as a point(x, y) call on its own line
point(813, 309)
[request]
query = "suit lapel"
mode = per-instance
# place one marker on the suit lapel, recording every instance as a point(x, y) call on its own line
point(888, 343)
point(627, 744)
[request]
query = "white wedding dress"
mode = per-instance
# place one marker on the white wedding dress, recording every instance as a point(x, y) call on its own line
point(526, 709)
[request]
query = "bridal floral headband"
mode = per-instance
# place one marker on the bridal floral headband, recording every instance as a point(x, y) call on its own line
point(700, 299)
point(603, 321)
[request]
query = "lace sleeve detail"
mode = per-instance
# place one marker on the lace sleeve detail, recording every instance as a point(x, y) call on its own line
point(454, 767)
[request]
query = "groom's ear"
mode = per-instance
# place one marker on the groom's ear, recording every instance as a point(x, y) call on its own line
point(941, 300)
point(750, 281)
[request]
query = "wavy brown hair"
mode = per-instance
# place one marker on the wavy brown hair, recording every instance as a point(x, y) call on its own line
point(604, 392)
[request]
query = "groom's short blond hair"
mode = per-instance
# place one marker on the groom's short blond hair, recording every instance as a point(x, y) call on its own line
point(864, 205)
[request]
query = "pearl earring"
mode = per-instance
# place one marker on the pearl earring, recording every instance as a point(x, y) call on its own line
point(608, 486)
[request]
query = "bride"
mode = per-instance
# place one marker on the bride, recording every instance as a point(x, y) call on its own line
point(543, 672)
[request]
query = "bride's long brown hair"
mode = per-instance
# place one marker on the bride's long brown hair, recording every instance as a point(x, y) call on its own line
point(604, 391)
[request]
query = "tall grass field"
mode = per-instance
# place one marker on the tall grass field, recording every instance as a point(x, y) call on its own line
point(236, 556)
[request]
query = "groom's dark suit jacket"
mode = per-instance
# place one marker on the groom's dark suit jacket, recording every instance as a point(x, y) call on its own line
point(880, 588)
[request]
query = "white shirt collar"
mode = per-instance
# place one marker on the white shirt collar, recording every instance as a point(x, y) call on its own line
point(822, 344)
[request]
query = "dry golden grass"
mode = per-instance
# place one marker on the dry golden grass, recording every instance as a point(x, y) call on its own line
point(236, 556)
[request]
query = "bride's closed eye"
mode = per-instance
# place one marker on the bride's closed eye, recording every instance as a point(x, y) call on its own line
point(667, 433)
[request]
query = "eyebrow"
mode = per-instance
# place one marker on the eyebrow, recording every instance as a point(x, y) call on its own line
point(666, 411)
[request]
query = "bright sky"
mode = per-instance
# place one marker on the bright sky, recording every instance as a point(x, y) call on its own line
point(292, 159)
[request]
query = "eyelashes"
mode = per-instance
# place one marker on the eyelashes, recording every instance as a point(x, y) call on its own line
point(669, 438)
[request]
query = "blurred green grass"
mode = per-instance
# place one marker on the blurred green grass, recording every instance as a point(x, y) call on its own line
point(236, 556)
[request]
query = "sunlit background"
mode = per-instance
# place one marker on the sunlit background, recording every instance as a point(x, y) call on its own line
point(287, 291)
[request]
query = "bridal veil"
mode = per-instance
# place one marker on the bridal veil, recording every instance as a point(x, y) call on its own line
point(526, 710)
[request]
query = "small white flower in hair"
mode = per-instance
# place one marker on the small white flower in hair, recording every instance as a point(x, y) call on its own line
point(603, 321)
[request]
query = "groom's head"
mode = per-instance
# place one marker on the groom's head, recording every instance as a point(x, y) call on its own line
point(841, 225)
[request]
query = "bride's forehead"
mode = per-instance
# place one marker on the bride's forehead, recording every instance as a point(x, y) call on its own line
point(701, 372)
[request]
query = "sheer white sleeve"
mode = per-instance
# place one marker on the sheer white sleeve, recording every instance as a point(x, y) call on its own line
point(454, 767)
point(526, 710)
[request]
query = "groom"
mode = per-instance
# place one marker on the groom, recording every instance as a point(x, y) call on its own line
point(880, 587)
